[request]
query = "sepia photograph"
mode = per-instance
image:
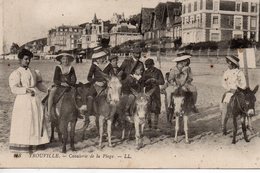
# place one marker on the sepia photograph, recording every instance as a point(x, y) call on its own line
point(130, 84)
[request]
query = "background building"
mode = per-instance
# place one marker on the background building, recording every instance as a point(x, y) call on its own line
point(64, 37)
point(123, 32)
point(216, 20)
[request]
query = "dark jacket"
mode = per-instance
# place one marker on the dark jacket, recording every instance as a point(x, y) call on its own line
point(131, 82)
point(127, 67)
point(70, 78)
point(94, 74)
point(156, 74)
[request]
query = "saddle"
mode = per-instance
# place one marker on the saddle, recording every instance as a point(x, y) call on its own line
point(58, 95)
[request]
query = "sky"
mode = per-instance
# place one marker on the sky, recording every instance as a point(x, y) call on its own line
point(26, 20)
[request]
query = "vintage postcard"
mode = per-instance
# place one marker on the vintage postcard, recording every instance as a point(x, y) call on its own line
point(129, 84)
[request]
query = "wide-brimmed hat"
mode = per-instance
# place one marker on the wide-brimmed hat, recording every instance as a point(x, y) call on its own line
point(99, 52)
point(61, 55)
point(25, 52)
point(182, 53)
point(182, 58)
point(233, 59)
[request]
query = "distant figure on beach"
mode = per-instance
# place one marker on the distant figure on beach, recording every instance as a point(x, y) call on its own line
point(27, 126)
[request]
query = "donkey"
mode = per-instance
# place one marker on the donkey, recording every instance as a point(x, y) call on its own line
point(139, 112)
point(242, 104)
point(73, 102)
point(105, 106)
point(182, 104)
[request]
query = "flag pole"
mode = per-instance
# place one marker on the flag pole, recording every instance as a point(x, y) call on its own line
point(245, 67)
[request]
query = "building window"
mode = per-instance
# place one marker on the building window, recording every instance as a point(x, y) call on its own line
point(253, 22)
point(215, 20)
point(70, 29)
point(66, 29)
point(195, 6)
point(215, 36)
point(209, 4)
point(244, 6)
point(201, 4)
point(183, 11)
point(61, 30)
point(238, 23)
point(238, 6)
point(189, 8)
point(227, 5)
point(253, 8)
point(252, 35)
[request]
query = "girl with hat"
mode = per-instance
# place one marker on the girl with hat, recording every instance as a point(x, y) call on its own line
point(64, 77)
point(99, 63)
point(27, 127)
point(181, 76)
point(233, 79)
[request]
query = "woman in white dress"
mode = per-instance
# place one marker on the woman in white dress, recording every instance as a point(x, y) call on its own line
point(27, 126)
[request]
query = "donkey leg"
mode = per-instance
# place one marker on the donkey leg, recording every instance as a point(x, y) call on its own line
point(137, 133)
point(224, 118)
point(109, 132)
point(235, 129)
point(185, 121)
point(249, 125)
point(64, 130)
point(72, 135)
point(176, 128)
point(52, 132)
point(243, 122)
point(142, 133)
point(101, 129)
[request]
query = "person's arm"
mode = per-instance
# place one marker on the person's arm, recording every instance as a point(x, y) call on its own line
point(15, 83)
point(73, 78)
point(171, 78)
point(39, 83)
point(241, 80)
point(91, 74)
point(57, 76)
point(190, 75)
point(160, 80)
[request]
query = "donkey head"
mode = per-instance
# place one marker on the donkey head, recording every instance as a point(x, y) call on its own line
point(141, 103)
point(249, 100)
point(81, 93)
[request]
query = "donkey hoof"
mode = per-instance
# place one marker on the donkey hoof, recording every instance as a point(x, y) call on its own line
point(247, 140)
point(233, 142)
point(187, 142)
point(64, 150)
point(111, 145)
point(73, 149)
point(175, 141)
point(138, 147)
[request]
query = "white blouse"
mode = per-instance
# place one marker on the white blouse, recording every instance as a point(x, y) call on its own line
point(234, 78)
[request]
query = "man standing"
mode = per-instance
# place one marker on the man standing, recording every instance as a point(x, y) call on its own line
point(153, 78)
point(128, 65)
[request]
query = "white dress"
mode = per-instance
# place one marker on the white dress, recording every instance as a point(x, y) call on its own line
point(27, 116)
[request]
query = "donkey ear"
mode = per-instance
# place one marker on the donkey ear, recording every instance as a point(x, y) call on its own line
point(149, 93)
point(255, 89)
point(134, 92)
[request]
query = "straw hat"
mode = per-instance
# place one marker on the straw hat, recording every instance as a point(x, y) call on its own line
point(61, 55)
point(182, 58)
point(99, 52)
point(233, 59)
